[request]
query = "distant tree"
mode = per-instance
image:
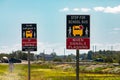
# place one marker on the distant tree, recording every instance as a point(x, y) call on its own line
point(100, 51)
point(53, 54)
point(108, 59)
point(42, 56)
point(83, 56)
point(68, 59)
point(21, 55)
point(72, 56)
point(90, 55)
point(4, 55)
point(32, 56)
point(57, 59)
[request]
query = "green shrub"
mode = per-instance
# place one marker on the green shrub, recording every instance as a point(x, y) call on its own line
point(57, 60)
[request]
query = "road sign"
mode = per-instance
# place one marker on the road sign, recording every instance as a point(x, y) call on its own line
point(29, 37)
point(78, 32)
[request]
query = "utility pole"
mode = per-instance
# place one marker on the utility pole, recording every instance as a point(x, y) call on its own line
point(95, 48)
point(44, 55)
point(53, 50)
point(111, 48)
point(64, 54)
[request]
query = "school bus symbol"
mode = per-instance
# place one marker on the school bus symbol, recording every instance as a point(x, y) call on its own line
point(29, 34)
point(77, 30)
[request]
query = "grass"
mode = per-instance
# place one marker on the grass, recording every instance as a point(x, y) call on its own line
point(3, 69)
point(48, 72)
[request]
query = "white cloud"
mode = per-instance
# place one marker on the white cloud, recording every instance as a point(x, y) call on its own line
point(76, 9)
point(112, 10)
point(64, 9)
point(99, 8)
point(113, 32)
point(108, 9)
point(85, 9)
point(116, 29)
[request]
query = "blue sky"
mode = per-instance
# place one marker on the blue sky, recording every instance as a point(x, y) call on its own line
point(50, 17)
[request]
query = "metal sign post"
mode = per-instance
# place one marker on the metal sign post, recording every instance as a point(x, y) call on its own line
point(28, 65)
point(29, 40)
point(78, 35)
point(77, 64)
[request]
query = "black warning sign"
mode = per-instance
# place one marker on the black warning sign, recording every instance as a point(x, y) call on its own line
point(29, 37)
point(78, 26)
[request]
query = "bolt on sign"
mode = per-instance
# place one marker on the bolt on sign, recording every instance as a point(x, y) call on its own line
point(78, 32)
point(29, 37)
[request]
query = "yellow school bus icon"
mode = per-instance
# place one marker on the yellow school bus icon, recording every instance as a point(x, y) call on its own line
point(77, 30)
point(29, 34)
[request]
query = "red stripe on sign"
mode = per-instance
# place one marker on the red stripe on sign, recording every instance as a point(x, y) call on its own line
point(78, 43)
point(29, 40)
point(29, 44)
